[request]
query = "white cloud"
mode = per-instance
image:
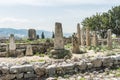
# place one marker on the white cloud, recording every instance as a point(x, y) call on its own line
point(12, 19)
point(56, 2)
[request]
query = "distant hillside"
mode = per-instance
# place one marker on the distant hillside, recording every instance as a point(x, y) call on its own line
point(5, 32)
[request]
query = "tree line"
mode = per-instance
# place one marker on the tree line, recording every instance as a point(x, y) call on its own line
point(101, 22)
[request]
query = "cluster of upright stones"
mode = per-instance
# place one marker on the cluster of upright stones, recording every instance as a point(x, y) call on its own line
point(32, 34)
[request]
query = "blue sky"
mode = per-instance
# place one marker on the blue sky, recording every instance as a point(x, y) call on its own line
point(42, 14)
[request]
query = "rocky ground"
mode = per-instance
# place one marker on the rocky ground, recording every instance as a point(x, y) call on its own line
point(103, 74)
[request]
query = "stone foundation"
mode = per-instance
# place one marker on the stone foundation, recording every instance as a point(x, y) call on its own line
point(39, 70)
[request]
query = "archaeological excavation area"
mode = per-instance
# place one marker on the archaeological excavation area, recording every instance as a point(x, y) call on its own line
point(82, 56)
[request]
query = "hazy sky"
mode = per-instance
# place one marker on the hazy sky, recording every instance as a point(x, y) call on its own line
point(42, 14)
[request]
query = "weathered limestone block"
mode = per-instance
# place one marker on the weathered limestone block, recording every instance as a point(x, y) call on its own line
point(82, 65)
point(12, 45)
point(7, 77)
point(21, 69)
point(51, 70)
point(109, 39)
point(88, 37)
point(19, 75)
point(97, 63)
point(59, 52)
point(32, 34)
point(58, 40)
point(29, 51)
point(82, 37)
point(89, 65)
point(107, 61)
point(75, 44)
point(4, 70)
point(95, 39)
point(30, 75)
point(40, 71)
point(78, 33)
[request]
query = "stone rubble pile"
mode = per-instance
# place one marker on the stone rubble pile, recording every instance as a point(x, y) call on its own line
point(36, 70)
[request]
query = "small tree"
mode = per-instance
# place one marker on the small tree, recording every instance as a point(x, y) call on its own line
point(53, 35)
point(42, 35)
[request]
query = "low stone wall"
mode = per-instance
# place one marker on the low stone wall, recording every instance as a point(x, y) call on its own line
point(37, 70)
point(21, 48)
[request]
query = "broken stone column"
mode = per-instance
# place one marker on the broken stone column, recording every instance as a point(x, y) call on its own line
point(78, 34)
point(87, 36)
point(75, 44)
point(32, 34)
point(29, 51)
point(95, 39)
point(58, 40)
point(109, 39)
point(12, 46)
point(59, 51)
point(82, 37)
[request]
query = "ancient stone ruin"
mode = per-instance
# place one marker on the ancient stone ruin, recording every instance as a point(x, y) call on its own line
point(82, 37)
point(32, 34)
point(12, 45)
point(29, 51)
point(59, 51)
point(79, 33)
point(88, 37)
point(95, 39)
point(109, 39)
point(75, 44)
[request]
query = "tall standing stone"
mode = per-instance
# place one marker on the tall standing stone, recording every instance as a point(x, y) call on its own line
point(75, 44)
point(78, 34)
point(109, 39)
point(32, 34)
point(59, 52)
point(95, 39)
point(82, 37)
point(87, 36)
point(12, 45)
point(29, 51)
point(58, 40)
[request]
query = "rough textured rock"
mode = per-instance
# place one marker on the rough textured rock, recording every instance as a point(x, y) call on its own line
point(97, 62)
point(12, 45)
point(29, 51)
point(94, 39)
point(75, 44)
point(109, 39)
point(82, 37)
point(58, 40)
point(22, 68)
point(78, 33)
point(32, 34)
point(88, 42)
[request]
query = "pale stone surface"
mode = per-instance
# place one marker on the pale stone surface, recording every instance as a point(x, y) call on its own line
point(87, 36)
point(75, 44)
point(58, 40)
point(12, 45)
point(78, 33)
point(82, 37)
point(109, 39)
point(95, 39)
point(29, 51)
point(32, 34)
